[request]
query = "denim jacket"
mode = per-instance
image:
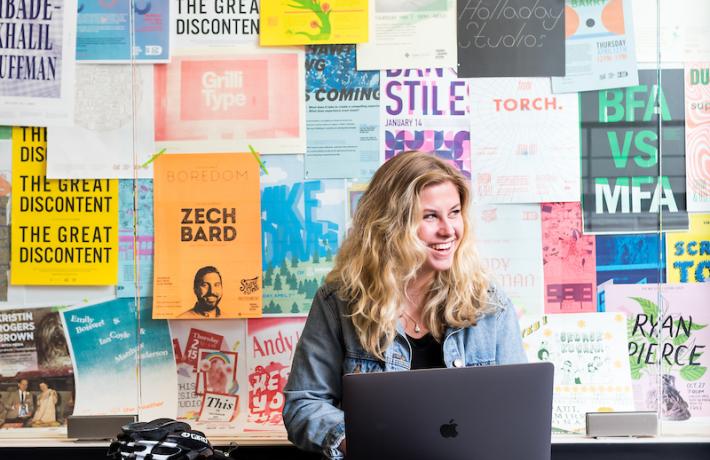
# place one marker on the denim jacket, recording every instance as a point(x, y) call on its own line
point(329, 348)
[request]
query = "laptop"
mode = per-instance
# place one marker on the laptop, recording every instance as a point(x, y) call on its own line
point(473, 413)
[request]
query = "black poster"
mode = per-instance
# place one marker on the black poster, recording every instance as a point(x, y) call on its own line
point(511, 38)
point(628, 185)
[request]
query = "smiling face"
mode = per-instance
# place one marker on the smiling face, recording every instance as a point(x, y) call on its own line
point(209, 290)
point(441, 226)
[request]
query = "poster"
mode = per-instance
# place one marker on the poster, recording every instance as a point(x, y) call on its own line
point(427, 110)
point(591, 367)
point(270, 346)
point(310, 22)
point(33, 349)
point(65, 232)
point(630, 259)
point(207, 238)
point(396, 40)
point(697, 136)
point(511, 38)
point(113, 135)
point(135, 276)
point(37, 63)
point(109, 342)
point(600, 51)
point(225, 99)
point(540, 162)
point(625, 189)
point(689, 252)
point(342, 114)
point(509, 242)
point(104, 30)
point(668, 332)
point(568, 260)
point(215, 23)
point(302, 226)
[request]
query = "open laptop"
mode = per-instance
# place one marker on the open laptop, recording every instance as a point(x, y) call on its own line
point(474, 413)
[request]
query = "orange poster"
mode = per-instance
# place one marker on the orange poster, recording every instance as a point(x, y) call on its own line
point(207, 237)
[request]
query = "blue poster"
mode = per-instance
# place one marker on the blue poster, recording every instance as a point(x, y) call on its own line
point(302, 226)
point(631, 259)
point(127, 267)
point(104, 31)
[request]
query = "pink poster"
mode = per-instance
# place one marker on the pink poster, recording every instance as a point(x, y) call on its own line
point(697, 136)
point(226, 99)
point(568, 258)
point(270, 346)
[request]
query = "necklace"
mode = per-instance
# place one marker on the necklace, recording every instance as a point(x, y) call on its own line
point(417, 329)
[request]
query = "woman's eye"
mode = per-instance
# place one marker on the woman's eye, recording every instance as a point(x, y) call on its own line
point(429, 216)
point(455, 213)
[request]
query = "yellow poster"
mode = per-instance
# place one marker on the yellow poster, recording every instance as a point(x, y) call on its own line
point(64, 231)
point(312, 22)
point(207, 237)
point(688, 252)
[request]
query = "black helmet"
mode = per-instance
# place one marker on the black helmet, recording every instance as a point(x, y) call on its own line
point(162, 439)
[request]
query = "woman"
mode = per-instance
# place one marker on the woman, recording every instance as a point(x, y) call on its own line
point(407, 292)
point(46, 413)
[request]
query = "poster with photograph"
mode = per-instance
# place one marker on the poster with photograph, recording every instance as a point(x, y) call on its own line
point(342, 113)
point(65, 232)
point(215, 23)
point(216, 371)
point(511, 38)
point(135, 276)
point(207, 236)
point(312, 22)
point(627, 186)
point(697, 136)
point(396, 40)
point(591, 365)
point(225, 99)
point(540, 163)
point(600, 51)
point(631, 259)
point(689, 252)
point(568, 259)
point(302, 227)
point(427, 110)
point(37, 56)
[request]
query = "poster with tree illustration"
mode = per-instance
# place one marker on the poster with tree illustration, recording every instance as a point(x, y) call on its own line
point(311, 22)
point(302, 225)
point(668, 337)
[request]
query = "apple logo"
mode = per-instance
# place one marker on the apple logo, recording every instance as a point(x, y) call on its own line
point(448, 430)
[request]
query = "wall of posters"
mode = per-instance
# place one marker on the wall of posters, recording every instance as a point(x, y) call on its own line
point(689, 252)
point(207, 239)
point(541, 162)
point(697, 136)
point(66, 231)
point(625, 189)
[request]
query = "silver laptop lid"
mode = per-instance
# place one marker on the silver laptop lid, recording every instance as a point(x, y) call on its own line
point(480, 413)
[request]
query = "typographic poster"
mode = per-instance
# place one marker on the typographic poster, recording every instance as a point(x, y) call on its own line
point(216, 23)
point(112, 136)
point(427, 110)
point(591, 365)
point(135, 236)
point(37, 55)
point(342, 114)
point(511, 38)
point(225, 99)
point(33, 347)
point(668, 333)
point(541, 162)
point(689, 252)
point(109, 341)
point(207, 238)
point(123, 31)
point(396, 40)
point(310, 22)
point(568, 260)
point(65, 232)
point(630, 259)
point(271, 343)
point(627, 187)
point(509, 242)
point(302, 226)
point(600, 51)
point(697, 136)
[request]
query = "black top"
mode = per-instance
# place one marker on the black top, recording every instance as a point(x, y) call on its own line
point(427, 353)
